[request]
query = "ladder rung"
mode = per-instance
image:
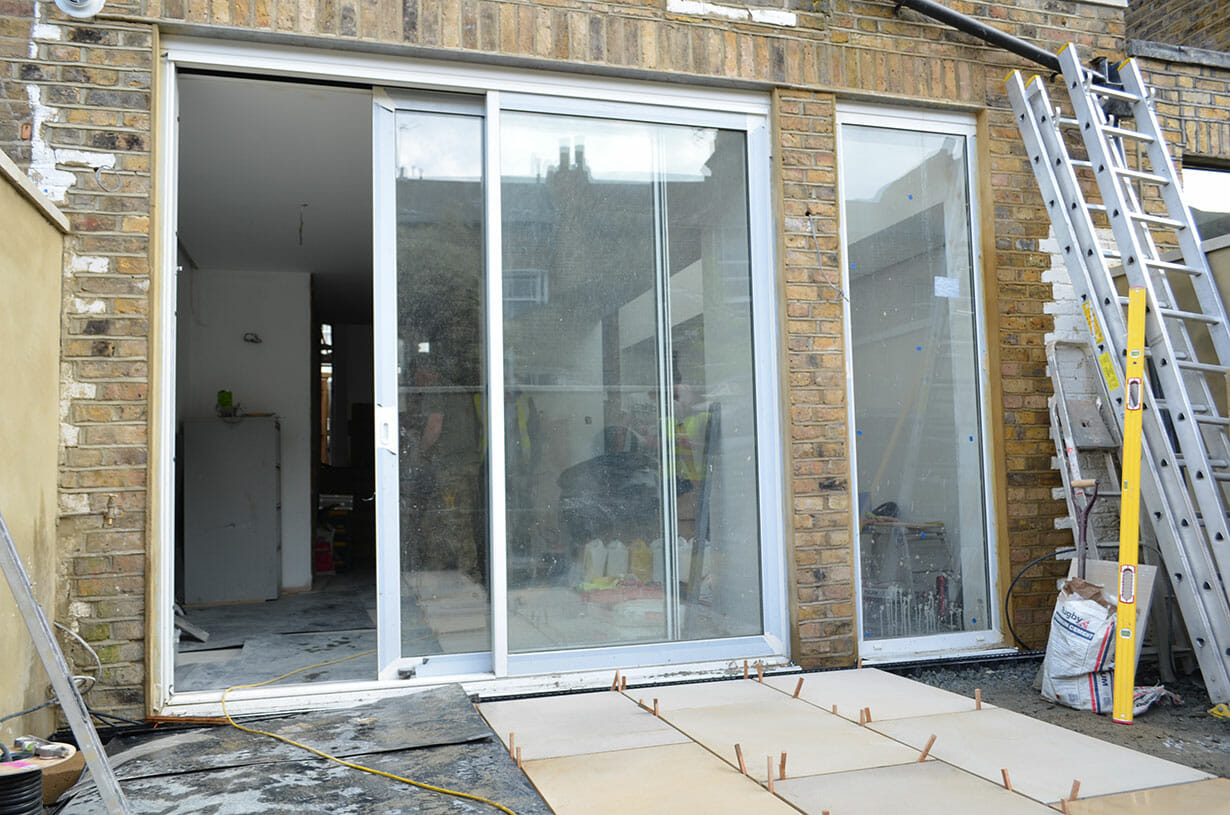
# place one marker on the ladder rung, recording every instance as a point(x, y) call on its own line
point(1064, 121)
point(1158, 220)
point(1080, 162)
point(1152, 178)
point(1124, 133)
point(1195, 316)
point(1172, 267)
point(1215, 463)
point(1221, 421)
point(1095, 207)
point(1203, 366)
point(1113, 93)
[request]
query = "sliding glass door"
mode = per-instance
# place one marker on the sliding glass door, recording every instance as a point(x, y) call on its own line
point(591, 266)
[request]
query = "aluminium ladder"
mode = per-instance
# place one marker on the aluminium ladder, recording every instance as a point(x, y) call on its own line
point(1186, 454)
point(49, 652)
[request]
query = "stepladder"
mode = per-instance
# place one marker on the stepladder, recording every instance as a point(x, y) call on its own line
point(1102, 164)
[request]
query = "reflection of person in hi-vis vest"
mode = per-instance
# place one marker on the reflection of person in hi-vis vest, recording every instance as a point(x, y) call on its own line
point(521, 454)
point(454, 518)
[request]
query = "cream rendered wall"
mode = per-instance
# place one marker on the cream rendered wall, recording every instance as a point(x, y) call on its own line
point(30, 275)
point(272, 376)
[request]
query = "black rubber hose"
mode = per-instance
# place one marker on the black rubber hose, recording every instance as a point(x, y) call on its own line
point(1012, 585)
point(1030, 565)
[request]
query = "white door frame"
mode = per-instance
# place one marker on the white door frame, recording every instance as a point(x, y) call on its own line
point(505, 88)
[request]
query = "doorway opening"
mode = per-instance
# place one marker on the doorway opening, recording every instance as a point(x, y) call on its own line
point(275, 540)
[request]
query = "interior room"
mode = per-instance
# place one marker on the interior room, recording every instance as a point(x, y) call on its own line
point(275, 550)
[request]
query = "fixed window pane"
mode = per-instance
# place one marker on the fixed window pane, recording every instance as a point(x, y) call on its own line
point(918, 434)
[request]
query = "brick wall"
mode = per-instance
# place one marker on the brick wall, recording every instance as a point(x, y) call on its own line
point(1193, 106)
point(1190, 23)
point(84, 87)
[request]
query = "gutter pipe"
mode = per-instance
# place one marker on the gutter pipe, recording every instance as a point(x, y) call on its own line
point(979, 29)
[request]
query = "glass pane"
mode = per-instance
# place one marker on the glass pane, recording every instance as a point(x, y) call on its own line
point(714, 411)
point(441, 375)
point(594, 213)
point(918, 434)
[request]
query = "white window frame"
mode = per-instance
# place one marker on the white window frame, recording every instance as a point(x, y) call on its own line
point(906, 648)
point(504, 89)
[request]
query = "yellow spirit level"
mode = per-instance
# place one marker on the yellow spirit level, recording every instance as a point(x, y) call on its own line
point(1129, 510)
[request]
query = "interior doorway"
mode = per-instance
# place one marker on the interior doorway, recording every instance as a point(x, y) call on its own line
point(275, 543)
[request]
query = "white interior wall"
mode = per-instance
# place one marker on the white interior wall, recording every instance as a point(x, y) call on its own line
point(272, 376)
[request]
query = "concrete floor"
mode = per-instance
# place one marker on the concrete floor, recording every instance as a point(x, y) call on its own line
point(852, 742)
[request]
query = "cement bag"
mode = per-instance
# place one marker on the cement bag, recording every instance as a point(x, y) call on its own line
point(1093, 691)
point(1082, 639)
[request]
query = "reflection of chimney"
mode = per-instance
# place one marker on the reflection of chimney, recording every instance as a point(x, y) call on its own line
point(578, 153)
point(563, 154)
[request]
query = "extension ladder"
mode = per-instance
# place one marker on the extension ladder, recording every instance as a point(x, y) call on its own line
point(1186, 454)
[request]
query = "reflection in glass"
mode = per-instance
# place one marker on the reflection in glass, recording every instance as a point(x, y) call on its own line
point(916, 397)
point(629, 418)
point(441, 376)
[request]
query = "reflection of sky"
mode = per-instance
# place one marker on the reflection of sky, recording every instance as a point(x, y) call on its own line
point(1207, 190)
point(613, 150)
point(440, 146)
point(873, 158)
point(436, 146)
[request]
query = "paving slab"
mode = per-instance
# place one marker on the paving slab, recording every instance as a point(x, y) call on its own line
point(927, 788)
point(1042, 760)
point(889, 696)
point(682, 778)
point(572, 725)
point(1211, 797)
point(815, 741)
point(706, 694)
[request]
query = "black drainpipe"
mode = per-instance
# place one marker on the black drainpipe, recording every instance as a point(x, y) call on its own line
point(984, 32)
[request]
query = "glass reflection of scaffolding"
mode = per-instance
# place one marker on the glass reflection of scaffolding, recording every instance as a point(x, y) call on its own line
point(911, 580)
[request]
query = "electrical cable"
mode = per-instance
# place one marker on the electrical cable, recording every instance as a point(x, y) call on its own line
point(343, 762)
point(98, 666)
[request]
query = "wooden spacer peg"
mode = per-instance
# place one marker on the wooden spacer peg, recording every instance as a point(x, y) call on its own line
point(512, 750)
point(518, 757)
point(769, 771)
point(745, 669)
point(623, 683)
point(615, 682)
point(930, 743)
point(868, 710)
point(862, 717)
point(1076, 790)
point(1007, 780)
point(759, 672)
point(834, 710)
point(739, 755)
point(977, 698)
point(655, 707)
point(781, 768)
point(798, 687)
